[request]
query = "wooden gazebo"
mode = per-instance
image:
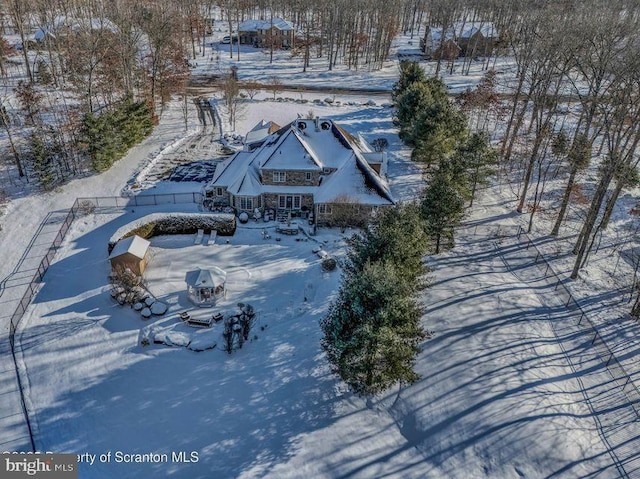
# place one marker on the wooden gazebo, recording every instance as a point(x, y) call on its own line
point(206, 286)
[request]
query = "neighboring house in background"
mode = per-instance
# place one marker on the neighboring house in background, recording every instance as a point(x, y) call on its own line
point(278, 33)
point(436, 47)
point(460, 39)
point(130, 253)
point(476, 39)
point(308, 167)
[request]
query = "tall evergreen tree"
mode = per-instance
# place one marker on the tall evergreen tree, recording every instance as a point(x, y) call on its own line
point(372, 332)
point(476, 158)
point(410, 73)
point(443, 204)
point(396, 235)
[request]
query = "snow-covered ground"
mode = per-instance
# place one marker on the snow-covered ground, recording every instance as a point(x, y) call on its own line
point(509, 387)
point(497, 398)
point(256, 64)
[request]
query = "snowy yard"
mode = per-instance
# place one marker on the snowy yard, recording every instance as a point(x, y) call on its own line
point(497, 397)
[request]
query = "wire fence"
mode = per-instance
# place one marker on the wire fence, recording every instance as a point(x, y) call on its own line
point(603, 350)
point(100, 202)
point(81, 206)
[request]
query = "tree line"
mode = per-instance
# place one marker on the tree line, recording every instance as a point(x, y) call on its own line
point(94, 80)
point(372, 332)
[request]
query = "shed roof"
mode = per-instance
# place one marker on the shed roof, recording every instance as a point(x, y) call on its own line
point(134, 245)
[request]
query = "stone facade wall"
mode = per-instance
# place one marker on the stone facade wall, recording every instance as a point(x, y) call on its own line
point(294, 178)
point(270, 200)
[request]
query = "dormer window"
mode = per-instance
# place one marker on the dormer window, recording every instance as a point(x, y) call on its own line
point(307, 176)
point(279, 177)
point(326, 171)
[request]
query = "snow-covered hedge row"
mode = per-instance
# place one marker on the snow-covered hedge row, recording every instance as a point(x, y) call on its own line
point(175, 223)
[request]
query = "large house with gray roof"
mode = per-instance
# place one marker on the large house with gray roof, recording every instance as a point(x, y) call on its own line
point(310, 167)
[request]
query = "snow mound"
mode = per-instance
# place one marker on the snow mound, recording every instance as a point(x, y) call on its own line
point(158, 308)
point(146, 313)
point(202, 342)
point(172, 338)
point(149, 301)
point(138, 306)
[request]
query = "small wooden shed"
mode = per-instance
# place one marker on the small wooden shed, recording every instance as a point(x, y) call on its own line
point(130, 253)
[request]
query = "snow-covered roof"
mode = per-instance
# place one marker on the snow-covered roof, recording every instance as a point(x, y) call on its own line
point(436, 34)
point(315, 145)
point(464, 30)
point(261, 131)
point(468, 29)
point(74, 24)
point(255, 25)
point(291, 152)
point(206, 278)
point(134, 245)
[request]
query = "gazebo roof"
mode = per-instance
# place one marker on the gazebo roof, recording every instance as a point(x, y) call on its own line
point(206, 278)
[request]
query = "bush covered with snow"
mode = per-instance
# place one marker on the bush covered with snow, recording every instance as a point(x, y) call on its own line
point(175, 223)
point(158, 308)
point(328, 264)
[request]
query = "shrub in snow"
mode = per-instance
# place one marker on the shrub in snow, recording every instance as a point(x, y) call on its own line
point(158, 308)
point(146, 313)
point(370, 103)
point(85, 208)
point(149, 301)
point(243, 217)
point(175, 223)
point(328, 264)
point(138, 306)
point(126, 286)
point(202, 342)
point(172, 338)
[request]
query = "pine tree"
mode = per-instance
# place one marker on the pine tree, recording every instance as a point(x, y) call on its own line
point(396, 235)
point(477, 158)
point(372, 332)
point(410, 73)
point(40, 161)
point(443, 203)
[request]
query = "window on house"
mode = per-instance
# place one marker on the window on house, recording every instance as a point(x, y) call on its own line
point(282, 201)
point(219, 191)
point(322, 209)
point(307, 176)
point(246, 203)
point(279, 176)
point(297, 201)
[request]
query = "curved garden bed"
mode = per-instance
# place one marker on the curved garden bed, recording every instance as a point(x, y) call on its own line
point(175, 223)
